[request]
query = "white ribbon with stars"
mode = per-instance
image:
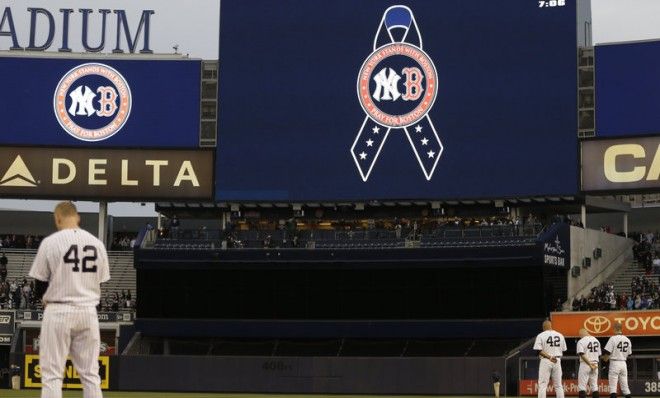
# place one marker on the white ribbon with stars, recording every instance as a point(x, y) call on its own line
point(422, 136)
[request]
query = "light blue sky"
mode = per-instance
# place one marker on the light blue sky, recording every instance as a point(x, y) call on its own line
point(613, 21)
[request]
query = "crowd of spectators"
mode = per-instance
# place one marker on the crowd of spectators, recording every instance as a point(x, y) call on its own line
point(601, 298)
point(120, 241)
point(294, 232)
point(18, 294)
point(117, 301)
point(20, 241)
point(422, 224)
point(123, 241)
point(644, 294)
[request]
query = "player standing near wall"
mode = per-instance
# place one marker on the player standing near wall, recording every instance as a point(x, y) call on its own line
point(551, 346)
point(69, 267)
point(588, 349)
point(617, 349)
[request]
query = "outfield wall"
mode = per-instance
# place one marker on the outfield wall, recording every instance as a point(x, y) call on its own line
point(327, 375)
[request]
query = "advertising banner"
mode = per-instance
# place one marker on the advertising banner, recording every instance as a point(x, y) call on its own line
point(383, 100)
point(103, 174)
point(108, 341)
point(71, 376)
point(7, 327)
point(599, 324)
point(556, 245)
point(621, 164)
point(103, 316)
point(531, 387)
point(639, 387)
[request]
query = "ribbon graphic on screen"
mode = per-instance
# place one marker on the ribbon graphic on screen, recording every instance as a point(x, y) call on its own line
point(397, 86)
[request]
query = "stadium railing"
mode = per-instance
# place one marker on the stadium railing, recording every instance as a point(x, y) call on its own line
point(446, 236)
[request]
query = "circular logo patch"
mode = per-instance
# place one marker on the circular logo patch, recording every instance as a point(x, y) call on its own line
point(92, 102)
point(397, 85)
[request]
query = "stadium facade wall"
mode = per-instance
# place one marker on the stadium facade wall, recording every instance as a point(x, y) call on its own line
point(438, 376)
point(639, 220)
point(616, 252)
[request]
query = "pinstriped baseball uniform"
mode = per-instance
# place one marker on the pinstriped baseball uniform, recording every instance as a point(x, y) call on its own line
point(74, 263)
point(619, 347)
point(553, 344)
point(590, 347)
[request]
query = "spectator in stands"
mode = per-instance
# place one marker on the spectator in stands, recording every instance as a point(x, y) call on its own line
point(4, 294)
point(174, 226)
point(630, 305)
point(268, 241)
point(18, 295)
point(650, 237)
point(3, 267)
point(656, 264)
point(27, 294)
point(575, 306)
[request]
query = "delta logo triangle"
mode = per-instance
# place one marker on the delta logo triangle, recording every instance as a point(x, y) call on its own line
point(18, 175)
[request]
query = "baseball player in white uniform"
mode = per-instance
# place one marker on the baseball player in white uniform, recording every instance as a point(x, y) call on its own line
point(69, 267)
point(588, 349)
point(617, 349)
point(551, 346)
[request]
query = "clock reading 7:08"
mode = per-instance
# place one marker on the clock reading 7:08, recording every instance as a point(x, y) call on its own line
point(552, 3)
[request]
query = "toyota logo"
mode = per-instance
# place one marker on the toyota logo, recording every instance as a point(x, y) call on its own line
point(597, 324)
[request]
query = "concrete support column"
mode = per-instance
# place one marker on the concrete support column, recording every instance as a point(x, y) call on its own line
point(103, 222)
point(584, 216)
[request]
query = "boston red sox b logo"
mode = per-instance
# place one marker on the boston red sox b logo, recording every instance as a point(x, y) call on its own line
point(397, 86)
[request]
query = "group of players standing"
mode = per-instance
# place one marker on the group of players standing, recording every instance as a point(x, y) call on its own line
point(551, 346)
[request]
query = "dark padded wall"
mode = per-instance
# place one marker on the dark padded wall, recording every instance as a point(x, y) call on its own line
point(449, 376)
point(307, 293)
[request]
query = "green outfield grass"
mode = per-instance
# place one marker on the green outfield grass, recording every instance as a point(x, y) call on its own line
point(116, 394)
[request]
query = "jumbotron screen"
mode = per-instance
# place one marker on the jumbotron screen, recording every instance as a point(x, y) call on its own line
point(627, 89)
point(422, 99)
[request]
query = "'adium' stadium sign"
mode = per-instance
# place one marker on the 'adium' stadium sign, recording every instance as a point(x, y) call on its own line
point(110, 26)
point(44, 22)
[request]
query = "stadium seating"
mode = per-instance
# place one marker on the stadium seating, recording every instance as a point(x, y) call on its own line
point(446, 236)
point(121, 269)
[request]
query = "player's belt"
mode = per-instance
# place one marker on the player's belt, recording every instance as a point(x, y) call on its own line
point(618, 360)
